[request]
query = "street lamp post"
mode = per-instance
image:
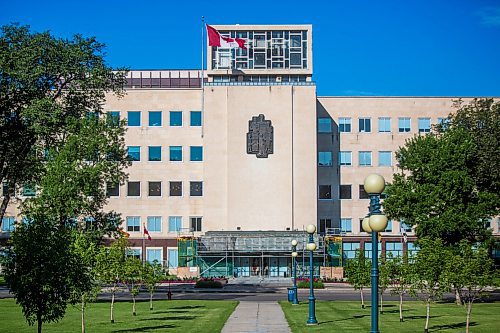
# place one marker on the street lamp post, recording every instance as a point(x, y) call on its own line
point(376, 222)
point(311, 246)
point(294, 259)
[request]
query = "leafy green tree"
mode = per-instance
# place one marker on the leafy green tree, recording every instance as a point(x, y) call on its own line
point(470, 271)
point(357, 272)
point(429, 276)
point(153, 274)
point(47, 85)
point(401, 273)
point(41, 270)
point(133, 278)
point(110, 268)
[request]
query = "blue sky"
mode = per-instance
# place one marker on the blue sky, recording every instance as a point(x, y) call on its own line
point(361, 47)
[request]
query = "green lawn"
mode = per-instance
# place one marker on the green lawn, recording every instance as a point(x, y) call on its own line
point(349, 317)
point(167, 316)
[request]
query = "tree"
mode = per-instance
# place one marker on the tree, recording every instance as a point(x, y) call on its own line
point(47, 84)
point(470, 271)
point(384, 279)
point(111, 267)
point(41, 271)
point(429, 276)
point(401, 275)
point(153, 274)
point(357, 272)
point(133, 278)
point(437, 191)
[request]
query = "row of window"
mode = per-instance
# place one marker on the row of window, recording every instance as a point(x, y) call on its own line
point(156, 254)
point(155, 189)
point(155, 118)
point(394, 249)
point(345, 192)
point(325, 125)
point(175, 153)
point(346, 225)
point(155, 224)
point(325, 158)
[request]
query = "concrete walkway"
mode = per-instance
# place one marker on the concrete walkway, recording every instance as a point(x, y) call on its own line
point(257, 317)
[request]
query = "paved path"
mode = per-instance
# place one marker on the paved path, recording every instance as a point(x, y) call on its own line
point(257, 317)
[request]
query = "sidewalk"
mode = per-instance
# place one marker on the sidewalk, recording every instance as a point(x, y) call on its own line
point(257, 317)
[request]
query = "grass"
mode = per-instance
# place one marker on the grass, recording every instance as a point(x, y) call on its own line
point(341, 316)
point(167, 316)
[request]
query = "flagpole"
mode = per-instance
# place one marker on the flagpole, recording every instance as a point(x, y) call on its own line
point(202, 75)
point(143, 246)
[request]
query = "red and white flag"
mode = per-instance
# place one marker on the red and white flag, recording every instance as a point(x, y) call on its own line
point(146, 232)
point(215, 39)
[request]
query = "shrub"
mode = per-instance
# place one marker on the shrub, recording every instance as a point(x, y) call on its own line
point(208, 283)
point(304, 284)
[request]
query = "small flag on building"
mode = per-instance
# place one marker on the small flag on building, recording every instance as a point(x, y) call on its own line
point(146, 232)
point(216, 39)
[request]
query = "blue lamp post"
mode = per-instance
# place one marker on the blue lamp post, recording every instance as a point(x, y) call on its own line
point(294, 259)
point(311, 246)
point(376, 222)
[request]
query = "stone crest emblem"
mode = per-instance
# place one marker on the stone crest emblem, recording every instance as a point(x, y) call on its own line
point(260, 137)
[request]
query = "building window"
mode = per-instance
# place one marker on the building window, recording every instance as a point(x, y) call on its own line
point(113, 118)
point(195, 118)
point(8, 224)
point(349, 250)
point(154, 255)
point(134, 118)
point(404, 125)
point(424, 125)
point(443, 122)
point(175, 118)
point(389, 226)
point(368, 250)
point(154, 118)
point(403, 227)
point(384, 158)
point(133, 189)
point(154, 153)
point(112, 190)
point(175, 189)
point(365, 158)
point(196, 189)
point(195, 153)
point(29, 190)
point(5, 188)
point(362, 192)
point(393, 249)
point(365, 125)
point(344, 125)
point(325, 158)
point(154, 189)
point(324, 125)
point(346, 225)
point(325, 192)
point(345, 192)
point(135, 253)
point(175, 153)
point(412, 249)
point(384, 125)
point(174, 223)
point(195, 223)
point(133, 223)
point(324, 225)
point(173, 258)
point(154, 223)
point(345, 158)
point(134, 153)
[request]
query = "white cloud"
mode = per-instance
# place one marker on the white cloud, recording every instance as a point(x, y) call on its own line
point(490, 16)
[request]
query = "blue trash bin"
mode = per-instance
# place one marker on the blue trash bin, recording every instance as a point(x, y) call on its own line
point(291, 293)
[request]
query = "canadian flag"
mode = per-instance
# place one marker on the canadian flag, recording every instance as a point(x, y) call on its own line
point(215, 39)
point(146, 232)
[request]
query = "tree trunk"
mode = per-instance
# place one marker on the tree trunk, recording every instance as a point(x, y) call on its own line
point(133, 306)
point(83, 314)
point(458, 300)
point(381, 303)
point(3, 207)
point(401, 307)
point(151, 301)
point(469, 309)
point(39, 321)
point(112, 305)
point(362, 298)
point(427, 317)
